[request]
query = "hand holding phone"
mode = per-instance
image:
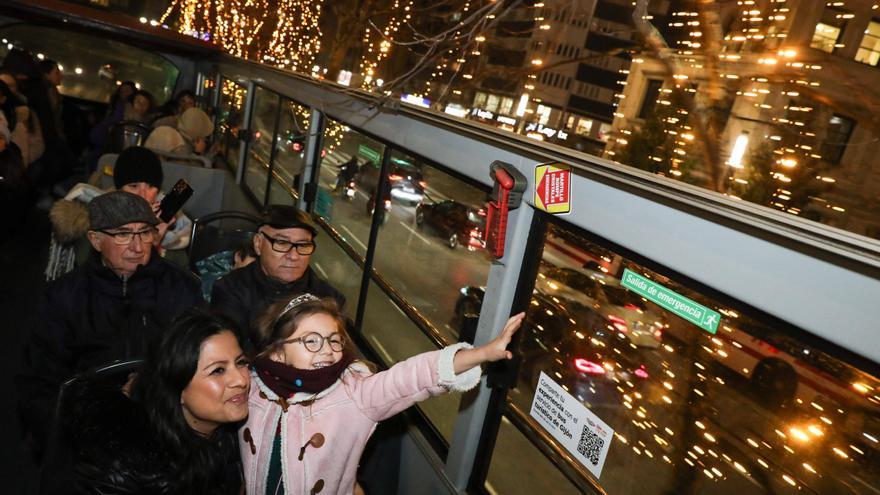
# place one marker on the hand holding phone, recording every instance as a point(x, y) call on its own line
point(174, 200)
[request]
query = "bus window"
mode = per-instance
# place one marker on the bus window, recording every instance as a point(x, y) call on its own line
point(230, 119)
point(344, 206)
point(752, 408)
point(266, 105)
point(430, 253)
point(290, 149)
point(92, 66)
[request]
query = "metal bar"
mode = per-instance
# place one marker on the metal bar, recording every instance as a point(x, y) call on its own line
point(246, 124)
point(314, 143)
point(273, 151)
point(498, 303)
point(378, 213)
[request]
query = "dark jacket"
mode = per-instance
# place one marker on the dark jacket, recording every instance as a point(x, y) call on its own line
point(244, 293)
point(114, 448)
point(92, 317)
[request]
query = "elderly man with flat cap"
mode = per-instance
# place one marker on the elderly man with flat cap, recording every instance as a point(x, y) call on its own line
point(284, 242)
point(113, 307)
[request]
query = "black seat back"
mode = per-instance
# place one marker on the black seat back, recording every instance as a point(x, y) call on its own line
point(217, 232)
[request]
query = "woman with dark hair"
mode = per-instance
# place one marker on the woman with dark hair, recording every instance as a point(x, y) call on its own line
point(175, 433)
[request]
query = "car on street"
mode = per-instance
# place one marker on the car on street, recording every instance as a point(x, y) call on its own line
point(456, 223)
point(404, 178)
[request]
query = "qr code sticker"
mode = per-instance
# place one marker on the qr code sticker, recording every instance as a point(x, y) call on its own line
point(590, 445)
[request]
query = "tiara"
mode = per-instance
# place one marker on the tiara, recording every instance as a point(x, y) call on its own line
point(296, 301)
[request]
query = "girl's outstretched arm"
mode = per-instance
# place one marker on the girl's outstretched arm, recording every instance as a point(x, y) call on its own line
point(495, 350)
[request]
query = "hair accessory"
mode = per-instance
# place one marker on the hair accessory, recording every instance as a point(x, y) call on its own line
point(296, 301)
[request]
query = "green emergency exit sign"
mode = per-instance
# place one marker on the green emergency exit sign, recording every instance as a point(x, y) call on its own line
point(672, 301)
point(369, 153)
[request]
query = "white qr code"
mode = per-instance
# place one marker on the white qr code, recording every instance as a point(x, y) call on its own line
point(590, 445)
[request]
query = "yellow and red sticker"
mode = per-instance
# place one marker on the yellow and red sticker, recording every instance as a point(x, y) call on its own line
point(553, 187)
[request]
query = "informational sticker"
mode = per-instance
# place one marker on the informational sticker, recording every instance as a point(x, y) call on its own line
point(672, 301)
point(324, 204)
point(578, 430)
point(553, 187)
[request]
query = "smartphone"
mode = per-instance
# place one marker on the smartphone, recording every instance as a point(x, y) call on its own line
point(174, 200)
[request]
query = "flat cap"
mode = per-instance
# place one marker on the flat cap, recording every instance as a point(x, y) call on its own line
point(287, 217)
point(117, 208)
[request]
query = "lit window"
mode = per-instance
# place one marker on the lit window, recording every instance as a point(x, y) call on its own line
point(584, 127)
point(828, 30)
point(869, 49)
point(492, 103)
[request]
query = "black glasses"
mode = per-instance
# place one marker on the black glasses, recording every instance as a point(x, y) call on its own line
point(314, 342)
point(284, 246)
point(147, 236)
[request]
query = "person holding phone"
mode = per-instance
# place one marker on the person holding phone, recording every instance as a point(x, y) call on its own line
point(139, 171)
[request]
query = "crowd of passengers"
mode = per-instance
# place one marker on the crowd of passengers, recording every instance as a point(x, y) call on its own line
point(253, 386)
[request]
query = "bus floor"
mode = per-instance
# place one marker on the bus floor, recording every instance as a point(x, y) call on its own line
point(22, 261)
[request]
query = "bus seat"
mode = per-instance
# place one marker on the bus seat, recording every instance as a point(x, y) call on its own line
point(221, 231)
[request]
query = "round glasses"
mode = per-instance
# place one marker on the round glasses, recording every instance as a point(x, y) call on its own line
point(284, 246)
point(314, 342)
point(147, 236)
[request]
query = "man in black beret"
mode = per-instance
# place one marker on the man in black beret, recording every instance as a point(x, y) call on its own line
point(113, 307)
point(284, 243)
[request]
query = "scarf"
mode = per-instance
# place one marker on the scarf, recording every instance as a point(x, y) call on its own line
point(286, 380)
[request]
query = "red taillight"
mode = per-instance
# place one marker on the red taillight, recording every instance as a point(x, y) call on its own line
point(475, 233)
point(642, 372)
point(632, 307)
point(619, 323)
point(395, 177)
point(658, 334)
point(588, 367)
point(481, 212)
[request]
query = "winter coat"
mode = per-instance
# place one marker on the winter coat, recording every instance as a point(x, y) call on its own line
point(113, 447)
point(244, 293)
point(92, 317)
point(344, 415)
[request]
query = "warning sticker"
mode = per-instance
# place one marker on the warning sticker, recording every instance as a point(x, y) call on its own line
point(580, 431)
point(553, 187)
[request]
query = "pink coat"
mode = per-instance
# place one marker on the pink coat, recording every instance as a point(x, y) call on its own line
point(345, 415)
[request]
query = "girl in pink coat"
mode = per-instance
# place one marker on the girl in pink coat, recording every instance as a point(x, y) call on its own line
point(313, 407)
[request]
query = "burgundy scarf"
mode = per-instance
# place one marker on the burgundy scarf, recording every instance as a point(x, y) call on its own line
point(286, 380)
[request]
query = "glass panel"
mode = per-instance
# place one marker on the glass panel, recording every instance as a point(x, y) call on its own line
point(208, 91)
point(433, 220)
point(395, 338)
point(231, 118)
point(518, 467)
point(93, 66)
point(753, 408)
point(334, 265)
point(869, 50)
point(290, 149)
point(346, 208)
point(825, 37)
point(263, 124)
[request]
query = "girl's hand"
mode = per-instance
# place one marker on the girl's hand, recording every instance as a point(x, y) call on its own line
point(495, 350)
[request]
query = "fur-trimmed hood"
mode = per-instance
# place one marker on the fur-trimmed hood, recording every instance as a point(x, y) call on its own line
point(70, 220)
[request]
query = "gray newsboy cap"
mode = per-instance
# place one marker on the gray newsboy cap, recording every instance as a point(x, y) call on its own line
point(117, 208)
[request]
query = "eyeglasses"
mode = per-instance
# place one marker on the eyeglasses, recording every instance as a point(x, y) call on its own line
point(126, 236)
point(284, 246)
point(314, 342)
